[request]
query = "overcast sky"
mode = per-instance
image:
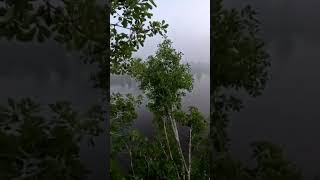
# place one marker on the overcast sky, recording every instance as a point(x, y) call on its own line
point(189, 28)
point(288, 111)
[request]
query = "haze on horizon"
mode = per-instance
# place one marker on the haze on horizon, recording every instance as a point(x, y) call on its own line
point(189, 29)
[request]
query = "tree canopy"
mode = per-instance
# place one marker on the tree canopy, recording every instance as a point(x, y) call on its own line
point(77, 25)
point(131, 23)
point(37, 145)
point(164, 80)
point(239, 63)
point(44, 143)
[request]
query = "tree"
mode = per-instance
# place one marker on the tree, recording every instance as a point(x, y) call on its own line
point(131, 24)
point(240, 63)
point(164, 80)
point(36, 146)
point(269, 163)
point(77, 25)
point(53, 149)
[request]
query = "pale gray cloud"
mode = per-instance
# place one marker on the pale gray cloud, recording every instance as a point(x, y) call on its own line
point(189, 28)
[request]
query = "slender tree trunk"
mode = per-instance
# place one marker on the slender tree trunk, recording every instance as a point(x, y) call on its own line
point(167, 139)
point(176, 134)
point(131, 159)
point(169, 147)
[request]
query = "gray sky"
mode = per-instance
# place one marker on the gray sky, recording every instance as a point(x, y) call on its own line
point(189, 28)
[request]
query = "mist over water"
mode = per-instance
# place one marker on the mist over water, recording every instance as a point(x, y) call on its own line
point(199, 97)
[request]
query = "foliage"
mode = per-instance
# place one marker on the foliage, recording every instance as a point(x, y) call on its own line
point(164, 80)
point(132, 25)
point(121, 116)
point(269, 164)
point(162, 77)
point(240, 63)
point(37, 146)
point(78, 25)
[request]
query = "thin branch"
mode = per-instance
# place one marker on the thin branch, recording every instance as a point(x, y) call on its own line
point(131, 160)
point(129, 150)
point(117, 25)
point(163, 149)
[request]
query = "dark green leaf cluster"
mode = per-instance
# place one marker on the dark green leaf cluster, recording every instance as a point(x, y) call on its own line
point(122, 112)
point(78, 25)
point(72, 23)
point(163, 78)
point(269, 164)
point(240, 63)
point(195, 120)
point(239, 59)
point(132, 25)
point(37, 146)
